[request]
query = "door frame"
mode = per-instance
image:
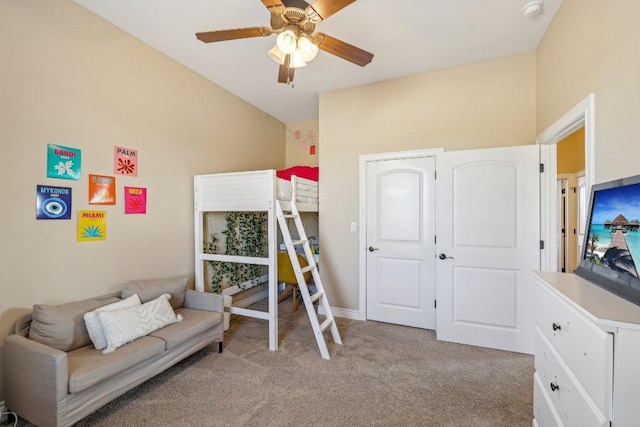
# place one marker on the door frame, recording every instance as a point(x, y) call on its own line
point(563, 212)
point(581, 115)
point(362, 214)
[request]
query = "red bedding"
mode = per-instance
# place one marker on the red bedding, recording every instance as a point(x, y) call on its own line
point(307, 172)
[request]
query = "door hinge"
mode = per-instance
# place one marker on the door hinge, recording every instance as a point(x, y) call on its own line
point(435, 239)
point(435, 175)
point(541, 167)
point(435, 303)
point(541, 244)
point(564, 190)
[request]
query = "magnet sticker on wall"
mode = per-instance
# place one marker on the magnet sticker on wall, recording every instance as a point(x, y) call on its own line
point(53, 202)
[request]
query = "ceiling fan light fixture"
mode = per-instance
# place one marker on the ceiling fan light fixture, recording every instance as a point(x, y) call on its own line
point(308, 48)
point(277, 55)
point(297, 59)
point(286, 41)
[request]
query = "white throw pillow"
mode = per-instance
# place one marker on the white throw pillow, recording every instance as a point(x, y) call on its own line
point(93, 323)
point(123, 326)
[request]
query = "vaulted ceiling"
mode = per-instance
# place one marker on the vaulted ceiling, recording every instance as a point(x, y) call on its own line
point(406, 37)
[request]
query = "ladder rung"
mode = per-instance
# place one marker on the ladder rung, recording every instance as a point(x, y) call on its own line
point(290, 216)
point(298, 242)
point(307, 268)
point(324, 325)
point(315, 297)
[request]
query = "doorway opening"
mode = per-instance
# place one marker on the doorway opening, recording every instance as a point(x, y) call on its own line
point(571, 200)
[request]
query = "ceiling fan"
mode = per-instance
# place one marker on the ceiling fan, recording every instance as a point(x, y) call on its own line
point(295, 22)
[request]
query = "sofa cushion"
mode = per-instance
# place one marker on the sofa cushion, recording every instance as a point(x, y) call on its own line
point(92, 322)
point(88, 366)
point(151, 289)
point(123, 326)
point(62, 326)
point(194, 322)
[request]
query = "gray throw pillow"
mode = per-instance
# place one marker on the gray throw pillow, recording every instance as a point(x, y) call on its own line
point(151, 289)
point(62, 326)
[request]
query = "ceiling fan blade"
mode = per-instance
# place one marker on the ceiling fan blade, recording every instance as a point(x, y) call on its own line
point(343, 50)
point(285, 74)
point(322, 9)
point(274, 5)
point(239, 33)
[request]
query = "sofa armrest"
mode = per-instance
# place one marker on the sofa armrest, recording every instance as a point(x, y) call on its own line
point(36, 379)
point(204, 301)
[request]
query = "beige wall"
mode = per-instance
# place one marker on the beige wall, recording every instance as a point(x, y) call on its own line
point(301, 136)
point(594, 46)
point(488, 104)
point(70, 78)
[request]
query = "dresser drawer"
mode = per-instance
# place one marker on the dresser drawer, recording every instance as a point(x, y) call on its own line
point(583, 346)
point(569, 400)
point(545, 415)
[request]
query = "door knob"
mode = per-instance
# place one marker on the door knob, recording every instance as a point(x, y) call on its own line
point(372, 249)
point(443, 256)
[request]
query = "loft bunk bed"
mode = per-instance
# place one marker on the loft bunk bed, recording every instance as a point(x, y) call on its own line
point(281, 199)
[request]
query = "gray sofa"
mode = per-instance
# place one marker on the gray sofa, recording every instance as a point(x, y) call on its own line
point(54, 376)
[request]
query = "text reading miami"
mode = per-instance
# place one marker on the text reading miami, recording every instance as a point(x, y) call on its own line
point(92, 215)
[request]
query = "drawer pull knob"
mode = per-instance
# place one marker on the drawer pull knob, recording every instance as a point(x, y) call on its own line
point(556, 327)
point(554, 387)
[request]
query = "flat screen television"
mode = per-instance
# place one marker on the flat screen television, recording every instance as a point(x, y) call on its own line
point(611, 247)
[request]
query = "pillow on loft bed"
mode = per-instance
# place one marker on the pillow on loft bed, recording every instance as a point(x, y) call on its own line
point(308, 172)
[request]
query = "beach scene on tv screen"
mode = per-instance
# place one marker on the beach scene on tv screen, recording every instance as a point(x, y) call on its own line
point(613, 238)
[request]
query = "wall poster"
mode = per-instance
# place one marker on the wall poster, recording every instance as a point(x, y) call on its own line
point(63, 162)
point(135, 200)
point(102, 190)
point(53, 202)
point(92, 225)
point(125, 161)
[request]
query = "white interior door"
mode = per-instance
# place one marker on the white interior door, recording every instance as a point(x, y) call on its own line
point(400, 196)
point(487, 214)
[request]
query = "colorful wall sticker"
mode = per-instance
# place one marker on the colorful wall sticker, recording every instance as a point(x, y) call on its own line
point(92, 225)
point(135, 200)
point(102, 190)
point(53, 202)
point(125, 161)
point(63, 162)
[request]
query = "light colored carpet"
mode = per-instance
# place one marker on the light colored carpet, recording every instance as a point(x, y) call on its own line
point(382, 375)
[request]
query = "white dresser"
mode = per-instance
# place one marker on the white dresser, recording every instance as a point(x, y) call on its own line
point(587, 355)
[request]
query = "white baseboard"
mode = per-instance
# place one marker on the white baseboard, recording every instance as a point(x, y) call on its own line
point(246, 285)
point(337, 312)
point(343, 312)
point(246, 302)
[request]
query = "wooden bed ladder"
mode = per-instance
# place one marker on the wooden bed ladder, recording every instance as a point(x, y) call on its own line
point(319, 295)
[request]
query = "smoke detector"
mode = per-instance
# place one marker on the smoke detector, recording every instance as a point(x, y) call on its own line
point(532, 8)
